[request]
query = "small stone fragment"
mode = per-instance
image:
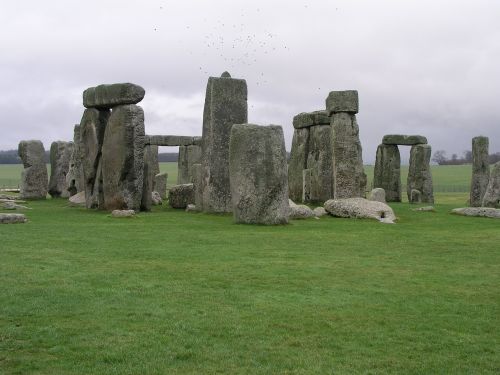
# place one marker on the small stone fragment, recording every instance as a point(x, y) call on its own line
point(12, 218)
point(299, 211)
point(122, 213)
point(13, 206)
point(78, 199)
point(425, 209)
point(493, 213)
point(156, 199)
point(191, 208)
point(319, 211)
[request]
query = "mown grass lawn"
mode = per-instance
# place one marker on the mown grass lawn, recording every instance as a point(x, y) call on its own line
point(170, 292)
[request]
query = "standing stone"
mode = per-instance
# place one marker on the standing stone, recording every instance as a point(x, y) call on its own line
point(198, 187)
point(492, 195)
point(34, 178)
point(182, 166)
point(148, 176)
point(193, 157)
point(123, 158)
point(349, 179)
point(92, 128)
point(180, 196)
point(298, 162)
point(419, 174)
point(306, 185)
point(60, 155)
point(225, 105)
point(74, 179)
point(161, 184)
point(387, 173)
point(378, 195)
point(319, 161)
point(258, 174)
point(480, 170)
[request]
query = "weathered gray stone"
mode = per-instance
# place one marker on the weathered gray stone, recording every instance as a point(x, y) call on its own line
point(342, 101)
point(419, 174)
point(108, 96)
point(319, 211)
point(297, 163)
point(198, 186)
point(493, 213)
point(415, 196)
point(299, 211)
point(424, 209)
point(360, 208)
point(306, 185)
point(149, 171)
point(387, 172)
point(75, 180)
point(191, 208)
point(92, 128)
point(60, 154)
point(78, 199)
point(11, 205)
point(12, 218)
point(171, 140)
point(34, 178)
point(123, 158)
point(123, 213)
point(161, 184)
point(258, 174)
point(180, 196)
point(156, 199)
point(492, 195)
point(349, 179)
point(307, 119)
point(188, 155)
point(377, 195)
point(480, 170)
point(319, 162)
point(225, 105)
point(405, 140)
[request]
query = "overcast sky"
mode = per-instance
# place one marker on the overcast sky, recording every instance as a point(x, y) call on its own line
point(421, 67)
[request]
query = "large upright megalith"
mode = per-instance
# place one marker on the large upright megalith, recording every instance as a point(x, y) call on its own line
point(298, 162)
point(387, 172)
point(225, 105)
point(349, 179)
point(419, 174)
point(75, 181)
point(148, 176)
point(60, 155)
point(480, 170)
point(188, 155)
point(92, 128)
point(492, 195)
point(320, 163)
point(258, 174)
point(34, 177)
point(123, 158)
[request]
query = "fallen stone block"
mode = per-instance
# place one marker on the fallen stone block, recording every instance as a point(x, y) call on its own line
point(360, 208)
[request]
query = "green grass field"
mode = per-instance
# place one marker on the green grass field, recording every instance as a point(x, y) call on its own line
point(170, 292)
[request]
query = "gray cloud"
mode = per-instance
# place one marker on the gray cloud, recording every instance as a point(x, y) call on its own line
point(421, 67)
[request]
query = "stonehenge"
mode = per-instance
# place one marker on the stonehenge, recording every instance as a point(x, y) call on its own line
point(326, 155)
point(34, 177)
point(225, 105)
point(480, 170)
point(387, 172)
point(258, 174)
point(75, 181)
point(188, 155)
point(60, 155)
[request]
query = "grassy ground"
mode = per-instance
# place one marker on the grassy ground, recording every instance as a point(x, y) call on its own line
point(170, 292)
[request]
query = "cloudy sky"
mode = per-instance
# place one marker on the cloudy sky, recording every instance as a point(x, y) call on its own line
point(421, 67)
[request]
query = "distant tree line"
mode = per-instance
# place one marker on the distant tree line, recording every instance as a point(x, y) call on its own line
point(11, 157)
point(440, 158)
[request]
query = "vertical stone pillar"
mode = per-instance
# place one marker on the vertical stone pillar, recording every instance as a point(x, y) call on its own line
point(387, 173)
point(348, 174)
point(92, 128)
point(161, 184)
point(123, 158)
point(319, 162)
point(225, 105)
point(492, 195)
point(480, 170)
point(182, 166)
point(74, 179)
point(258, 175)
point(148, 176)
point(419, 174)
point(60, 154)
point(198, 186)
point(34, 177)
point(298, 155)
